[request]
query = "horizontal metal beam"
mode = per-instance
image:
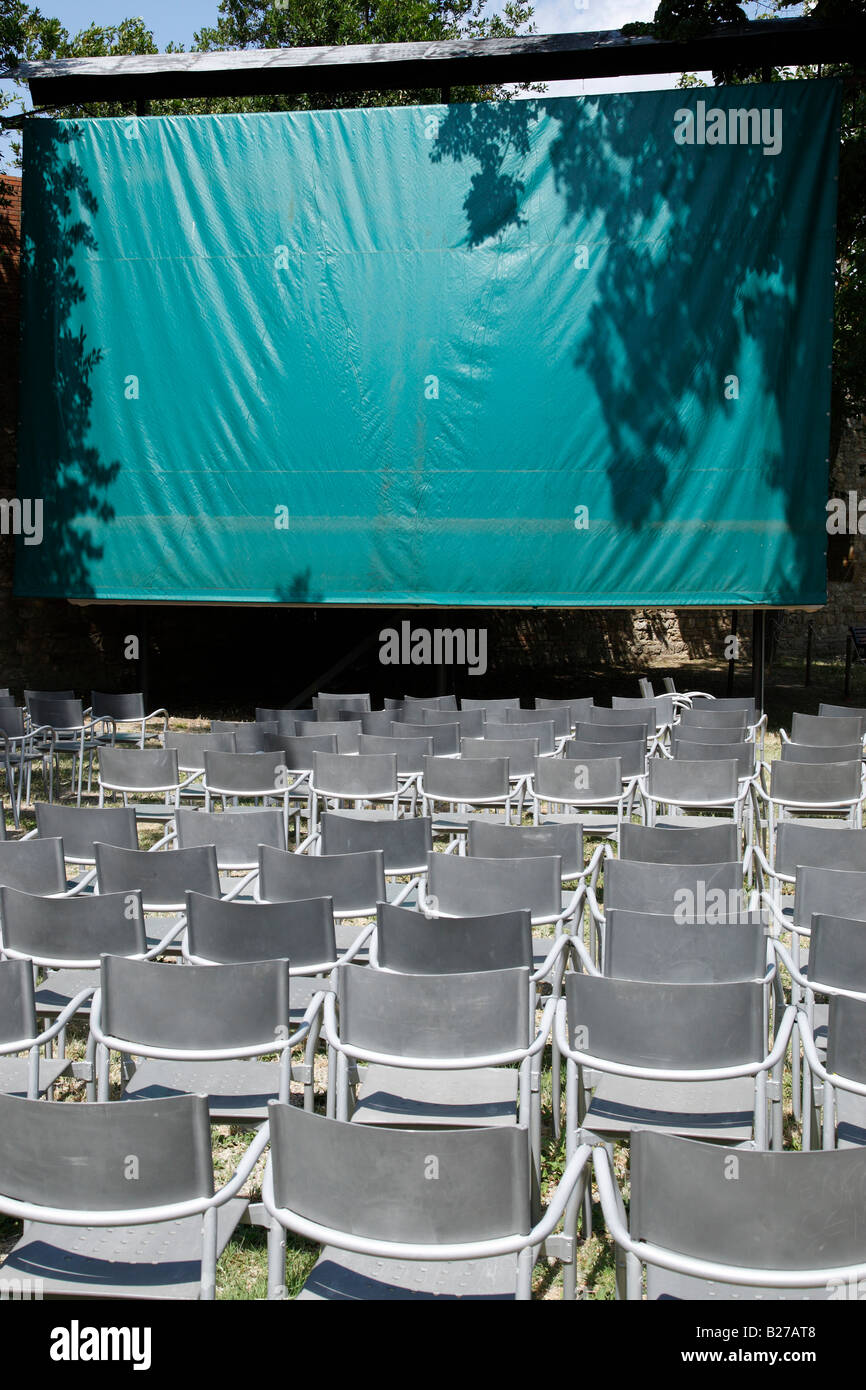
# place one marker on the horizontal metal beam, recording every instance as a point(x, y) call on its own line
point(451, 63)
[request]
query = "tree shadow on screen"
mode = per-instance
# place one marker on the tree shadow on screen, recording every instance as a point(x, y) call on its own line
point(298, 590)
point(56, 456)
point(669, 315)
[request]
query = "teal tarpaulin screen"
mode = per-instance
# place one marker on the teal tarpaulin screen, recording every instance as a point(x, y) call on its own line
point(571, 351)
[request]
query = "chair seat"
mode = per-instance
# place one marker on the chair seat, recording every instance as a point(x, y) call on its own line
point(664, 1285)
point(721, 1110)
point(850, 1120)
point(606, 826)
point(158, 1261)
point(457, 822)
point(237, 1091)
point(688, 821)
point(15, 1071)
point(341, 1274)
point(60, 987)
point(401, 1096)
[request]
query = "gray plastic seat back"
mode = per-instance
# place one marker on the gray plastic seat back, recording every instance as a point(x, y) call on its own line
point(13, 721)
point(76, 1157)
point(332, 706)
point(413, 944)
point(631, 754)
point(470, 723)
point(490, 841)
point(649, 946)
point(446, 737)
point(237, 774)
point(837, 952)
point(230, 931)
point(447, 1016)
point(569, 779)
point(81, 928)
point(683, 1198)
point(417, 702)
point(543, 732)
point(475, 887)
point(355, 775)
point(491, 706)
point(816, 846)
point(354, 881)
point(519, 753)
point(470, 779)
point(558, 716)
point(409, 752)
point(344, 729)
point(820, 752)
point(286, 720)
point(815, 783)
point(679, 779)
point(743, 754)
point(739, 704)
point(124, 708)
point(717, 734)
point(377, 721)
point(33, 866)
point(79, 827)
point(139, 769)
point(482, 1191)
point(658, 707)
point(404, 843)
point(615, 734)
point(706, 717)
point(629, 717)
point(822, 729)
point(61, 714)
point(191, 748)
point(195, 1006)
point(163, 878)
point(236, 835)
point(844, 712)
point(834, 892)
point(579, 709)
point(688, 891)
point(298, 750)
point(679, 1026)
point(662, 844)
point(846, 1038)
point(248, 737)
point(17, 1006)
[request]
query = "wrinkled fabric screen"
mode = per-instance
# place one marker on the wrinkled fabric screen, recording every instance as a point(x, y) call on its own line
point(548, 351)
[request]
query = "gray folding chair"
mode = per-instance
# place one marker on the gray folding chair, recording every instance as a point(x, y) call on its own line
point(298, 751)
point(331, 706)
point(198, 1029)
point(117, 1201)
point(559, 716)
point(59, 724)
point(469, 722)
point(838, 1084)
point(446, 737)
point(491, 706)
point(79, 827)
point(707, 1224)
point(691, 786)
point(632, 753)
point(35, 1074)
point(163, 878)
point(817, 729)
point(541, 732)
point(410, 754)
point(586, 790)
point(404, 843)
point(248, 777)
point(142, 773)
point(127, 710)
point(690, 844)
point(454, 1223)
point(33, 866)
point(363, 780)
point(354, 881)
point(235, 835)
point(249, 736)
point(656, 948)
point(699, 894)
point(814, 793)
point(578, 708)
point(458, 785)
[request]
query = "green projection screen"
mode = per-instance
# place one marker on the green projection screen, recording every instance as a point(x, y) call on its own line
point(546, 352)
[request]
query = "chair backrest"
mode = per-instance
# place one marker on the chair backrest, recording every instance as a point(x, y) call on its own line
point(557, 715)
point(195, 1006)
point(286, 720)
point(519, 753)
point(163, 878)
point(743, 754)
point(693, 893)
point(426, 702)
point(412, 944)
point(346, 731)
point(246, 774)
point(236, 835)
point(664, 1025)
point(60, 713)
point(474, 887)
point(837, 952)
point(816, 846)
point(448, 1016)
point(715, 734)
point(377, 721)
point(330, 706)
point(844, 712)
point(683, 1199)
point(446, 737)
point(846, 1039)
point(707, 782)
point(486, 1190)
point(543, 732)
point(657, 707)
point(821, 752)
point(191, 748)
point(833, 892)
point(17, 1003)
point(822, 728)
point(470, 722)
point(81, 928)
point(650, 946)
point(611, 733)
point(490, 841)
point(123, 708)
point(227, 932)
point(622, 716)
point(489, 706)
point(248, 737)
point(404, 843)
point(298, 750)
point(33, 866)
point(47, 695)
point(632, 753)
point(355, 775)
point(410, 752)
point(13, 721)
point(356, 882)
point(815, 783)
point(705, 716)
point(79, 827)
point(139, 769)
point(578, 709)
point(739, 704)
point(662, 844)
point(566, 779)
point(76, 1157)
point(467, 780)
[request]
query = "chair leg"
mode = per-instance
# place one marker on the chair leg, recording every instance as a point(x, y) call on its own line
point(276, 1260)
